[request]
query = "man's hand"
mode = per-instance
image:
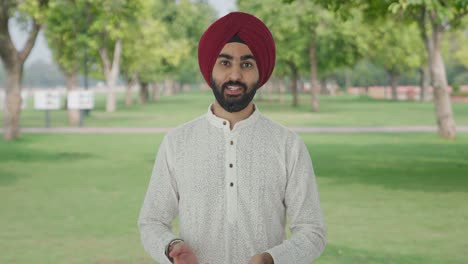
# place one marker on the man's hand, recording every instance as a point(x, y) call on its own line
point(263, 258)
point(183, 254)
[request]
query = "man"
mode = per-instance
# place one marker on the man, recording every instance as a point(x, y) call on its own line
point(232, 176)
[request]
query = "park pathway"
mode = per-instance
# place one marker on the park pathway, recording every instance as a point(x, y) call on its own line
point(147, 130)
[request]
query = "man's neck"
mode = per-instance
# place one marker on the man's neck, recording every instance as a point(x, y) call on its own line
point(234, 117)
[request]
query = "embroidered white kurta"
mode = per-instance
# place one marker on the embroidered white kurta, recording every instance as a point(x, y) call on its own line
point(233, 190)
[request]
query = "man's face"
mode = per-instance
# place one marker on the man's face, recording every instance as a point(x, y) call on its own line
point(235, 77)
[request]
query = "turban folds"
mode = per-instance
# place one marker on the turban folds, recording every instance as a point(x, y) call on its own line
point(253, 33)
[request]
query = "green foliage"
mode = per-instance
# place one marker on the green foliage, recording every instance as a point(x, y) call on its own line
point(193, 17)
point(341, 43)
point(67, 32)
point(455, 47)
point(164, 42)
point(397, 47)
point(291, 45)
point(111, 21)
point(78, 26)
point(27, 13)
point(298, 25)
point(145, 48)
point(35, 9)
point(365, 73)
point(447, 13)
point(460, 79)
point(455, 50)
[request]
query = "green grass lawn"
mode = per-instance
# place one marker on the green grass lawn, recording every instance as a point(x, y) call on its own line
point(387, 198)
point(171, 111)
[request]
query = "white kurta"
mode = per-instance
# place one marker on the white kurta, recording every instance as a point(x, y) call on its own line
point(232, 190)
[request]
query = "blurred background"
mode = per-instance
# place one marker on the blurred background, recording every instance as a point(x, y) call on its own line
point(378, 91)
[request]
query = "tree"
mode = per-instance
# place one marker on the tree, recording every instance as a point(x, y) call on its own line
point(190, 21)
point(310, 40)
point(434, 18)
point(110, 21)
point(395, 48)
point(31, 12)
point(341, 43)
point(185, 21)
point(145, 51)
point(291, 56)
point(163, 46)
point(455, 54)
point(66, 32)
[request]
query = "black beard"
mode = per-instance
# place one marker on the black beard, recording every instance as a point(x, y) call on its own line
point(233, 103)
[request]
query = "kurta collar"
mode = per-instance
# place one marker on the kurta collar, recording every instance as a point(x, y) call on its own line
point(223, 123)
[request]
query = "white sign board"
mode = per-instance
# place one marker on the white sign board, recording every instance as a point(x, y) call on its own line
point(24, 99)
point(81, 99)
point(47, 100)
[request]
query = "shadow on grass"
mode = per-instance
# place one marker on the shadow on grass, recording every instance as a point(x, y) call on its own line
point(8, 177)
point(347, 255)
point(420, 167)
point(34, 155)
point(18, 154)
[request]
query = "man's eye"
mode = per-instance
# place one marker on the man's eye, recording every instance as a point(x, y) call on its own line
point(225, 63)
point(247, 65)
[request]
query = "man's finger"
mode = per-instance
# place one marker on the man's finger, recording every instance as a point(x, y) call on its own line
point(176, 250)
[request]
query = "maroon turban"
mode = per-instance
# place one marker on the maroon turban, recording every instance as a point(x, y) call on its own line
point(253, 33)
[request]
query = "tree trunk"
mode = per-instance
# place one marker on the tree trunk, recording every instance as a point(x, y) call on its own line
point(71, 83)
point(144, 93)
point(12, 109)
point(169, 87)
point(443, 105)
point(13, 61)
point(333, 87)
point(178, 87)
point(426, 67)
point(111, 99)
point(394, 84)
point(425, 82)
point(300, 85)
point(293, 84)
point(282, 90)
point(112, 73)
point(129, 90)
point(128, 94)
point(323, 86)
point(314, 85)
point(280, 86)
point(156, 92)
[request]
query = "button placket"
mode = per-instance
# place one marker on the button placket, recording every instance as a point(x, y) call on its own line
point(231, 177)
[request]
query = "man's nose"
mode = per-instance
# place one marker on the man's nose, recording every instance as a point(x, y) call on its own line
point(235, 74)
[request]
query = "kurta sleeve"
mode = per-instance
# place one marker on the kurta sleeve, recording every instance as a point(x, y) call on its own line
point(303, 209)
point(160, 206)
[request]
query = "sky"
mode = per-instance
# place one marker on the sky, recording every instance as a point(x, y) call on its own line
point(41, 51)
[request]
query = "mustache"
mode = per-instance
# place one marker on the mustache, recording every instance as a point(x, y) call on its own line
point(236, 83)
